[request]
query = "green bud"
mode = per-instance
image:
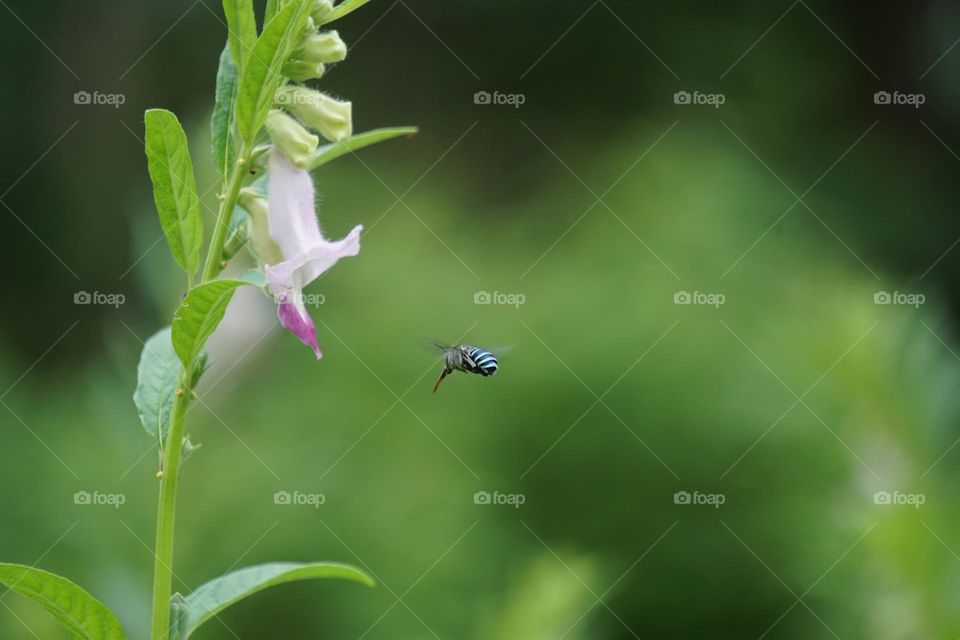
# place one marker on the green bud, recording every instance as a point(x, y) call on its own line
point(309, 27)
point(301, 71)
point(261, 244)
point(187, 448)
point(237, 234)
point(325, 46)
point(332, 118)
point(321, 9)
point(199, 368)
point(296, 143)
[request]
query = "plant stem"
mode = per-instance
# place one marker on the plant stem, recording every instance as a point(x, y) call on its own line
point(212, 266)
point(166, 509)
point(163, 550)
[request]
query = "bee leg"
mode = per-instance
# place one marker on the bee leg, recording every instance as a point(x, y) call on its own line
point(443, 375)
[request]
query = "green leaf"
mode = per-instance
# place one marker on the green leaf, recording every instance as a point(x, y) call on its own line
point(224, 152)
point(342, 9)
point(201, 311)
point(157, 377)
point(174, 187)
point(75, 609)
point(260, 77)
point(178, 617)
point(269, 12)
point(241, 28)
point(218, 594)
point(334, 150)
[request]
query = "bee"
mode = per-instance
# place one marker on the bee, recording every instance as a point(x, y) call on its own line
point(465, 357)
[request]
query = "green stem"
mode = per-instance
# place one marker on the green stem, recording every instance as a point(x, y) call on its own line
point(212, 266)
point(163, 550)
point(166, 509)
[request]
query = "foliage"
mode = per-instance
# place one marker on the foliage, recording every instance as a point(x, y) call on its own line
point(250, 73)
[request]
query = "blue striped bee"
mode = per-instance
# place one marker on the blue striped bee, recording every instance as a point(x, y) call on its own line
point(465, 357)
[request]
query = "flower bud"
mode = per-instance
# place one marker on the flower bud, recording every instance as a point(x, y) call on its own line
point(201, 366)
point(320, 10)
point(187, 448)
point(296, 143)
point(237, 235)
point(332, 118)
point(309, 27)
point(301, 71)
point(261, 244)
point(325, 46)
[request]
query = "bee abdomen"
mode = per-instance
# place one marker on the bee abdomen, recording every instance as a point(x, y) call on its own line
point(485, 362)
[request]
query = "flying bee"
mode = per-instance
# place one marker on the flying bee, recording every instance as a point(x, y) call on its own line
point(464, 357)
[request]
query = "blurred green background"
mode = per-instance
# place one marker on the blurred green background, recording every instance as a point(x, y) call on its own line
point(599, 200)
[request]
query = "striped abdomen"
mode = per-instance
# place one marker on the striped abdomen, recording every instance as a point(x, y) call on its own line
point(480, 361)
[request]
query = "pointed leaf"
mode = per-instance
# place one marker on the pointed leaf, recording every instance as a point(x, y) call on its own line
point(157, 376)
point(218, 594)
point(174, 187)
point(342, 9)
point(224, 153)
point(334, 150)
point(260, 77)
point(75, 609)
point(241, 28)
point(201, 311)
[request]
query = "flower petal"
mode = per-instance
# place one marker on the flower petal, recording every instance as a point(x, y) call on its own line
point(290, 196)
point(295, 319)
point(307, 266)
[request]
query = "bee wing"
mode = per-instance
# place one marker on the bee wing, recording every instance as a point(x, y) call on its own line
point(436, 346)
point(502, 351)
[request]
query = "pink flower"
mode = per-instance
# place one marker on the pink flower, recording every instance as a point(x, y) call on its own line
point(293, 227)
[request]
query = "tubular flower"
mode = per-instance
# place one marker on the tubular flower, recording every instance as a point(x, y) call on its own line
point(293, 228)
